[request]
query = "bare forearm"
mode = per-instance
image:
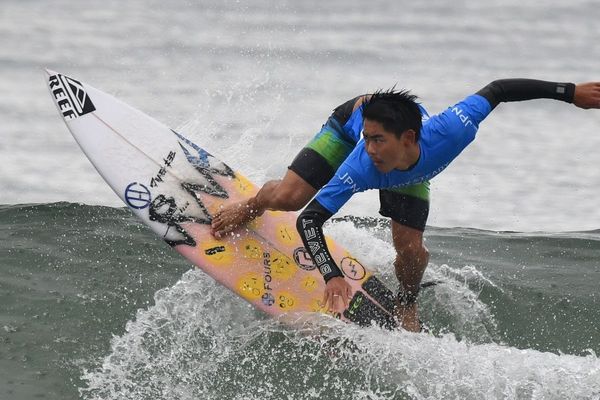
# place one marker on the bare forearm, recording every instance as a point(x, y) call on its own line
point(265, 198)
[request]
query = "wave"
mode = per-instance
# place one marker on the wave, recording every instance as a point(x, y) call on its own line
point(514, 315)
point(180, 349)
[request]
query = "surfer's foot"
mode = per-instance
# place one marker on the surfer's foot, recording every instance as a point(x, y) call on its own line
point(231, 217)
point(408, 317)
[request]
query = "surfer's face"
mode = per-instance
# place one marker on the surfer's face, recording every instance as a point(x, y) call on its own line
point(386, 150)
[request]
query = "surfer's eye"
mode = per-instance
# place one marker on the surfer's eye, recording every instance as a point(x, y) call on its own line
point(375, 139)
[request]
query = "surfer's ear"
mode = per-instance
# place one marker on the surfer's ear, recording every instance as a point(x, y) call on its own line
point(409, 135)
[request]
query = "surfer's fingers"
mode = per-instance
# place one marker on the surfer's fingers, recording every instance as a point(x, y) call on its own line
point(218, 229)
point(345, 299)
point(215, 224)
point(348, 296)
point(326, 297)
point(334, 299)
point(215, 232)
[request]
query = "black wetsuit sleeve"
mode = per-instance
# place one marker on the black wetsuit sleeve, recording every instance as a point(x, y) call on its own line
point(505, 90)
point(310, 227)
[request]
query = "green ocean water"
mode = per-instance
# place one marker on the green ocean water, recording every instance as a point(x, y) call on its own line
point(93, 306)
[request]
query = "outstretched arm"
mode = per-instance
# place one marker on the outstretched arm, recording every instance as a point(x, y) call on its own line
point(507, 90)
point(585, 95)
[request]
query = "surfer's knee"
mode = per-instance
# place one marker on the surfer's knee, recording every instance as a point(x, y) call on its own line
point(411, 253)
point(409, 246)
point(411, 260)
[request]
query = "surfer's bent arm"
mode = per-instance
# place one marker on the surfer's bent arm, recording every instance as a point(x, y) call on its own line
point(344, 183)
point(310, 227)
point(508, 90)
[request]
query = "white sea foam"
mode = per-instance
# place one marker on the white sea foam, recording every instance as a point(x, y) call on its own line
point(183, 348)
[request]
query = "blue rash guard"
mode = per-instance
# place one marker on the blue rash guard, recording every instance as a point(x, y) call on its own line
point(443, 137)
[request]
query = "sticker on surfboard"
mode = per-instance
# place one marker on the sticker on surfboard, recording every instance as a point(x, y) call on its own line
point(70, 96)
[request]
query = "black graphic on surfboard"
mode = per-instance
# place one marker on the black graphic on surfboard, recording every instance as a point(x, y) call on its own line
point(70, 96)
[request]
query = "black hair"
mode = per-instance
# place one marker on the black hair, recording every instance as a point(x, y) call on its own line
point(396, 110)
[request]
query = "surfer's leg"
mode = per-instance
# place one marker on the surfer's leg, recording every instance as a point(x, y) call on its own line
point(412, 258)
point(409, 209)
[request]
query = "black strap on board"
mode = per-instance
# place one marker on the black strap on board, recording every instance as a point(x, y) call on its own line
point(364, 312)
point(384, 296)
point(378, 291)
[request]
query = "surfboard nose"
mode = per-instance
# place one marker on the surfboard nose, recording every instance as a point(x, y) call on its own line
point(50, 72)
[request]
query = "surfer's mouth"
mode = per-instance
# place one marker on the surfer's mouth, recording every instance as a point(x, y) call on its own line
point(377, 162)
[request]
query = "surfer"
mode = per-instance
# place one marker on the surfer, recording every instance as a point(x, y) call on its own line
point(401, 149)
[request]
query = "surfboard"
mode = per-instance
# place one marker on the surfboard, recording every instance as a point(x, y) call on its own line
point(174, 186)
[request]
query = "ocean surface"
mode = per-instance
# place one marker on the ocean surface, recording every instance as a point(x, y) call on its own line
point(94, 306)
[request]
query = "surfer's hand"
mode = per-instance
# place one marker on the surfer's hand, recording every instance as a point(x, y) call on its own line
point(587, 95)
point(337, 293)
